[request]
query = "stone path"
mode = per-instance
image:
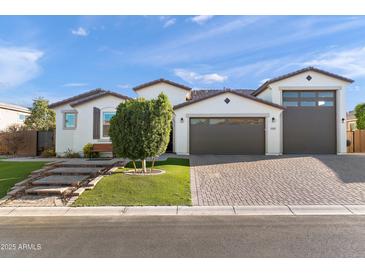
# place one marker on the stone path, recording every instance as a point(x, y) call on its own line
point(58, 183)
point(283, 180)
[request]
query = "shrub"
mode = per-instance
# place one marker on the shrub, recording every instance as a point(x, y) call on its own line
point(360, 116)
point(141, 128)
point(69, 153)
point(88, 153)
point(49, 152)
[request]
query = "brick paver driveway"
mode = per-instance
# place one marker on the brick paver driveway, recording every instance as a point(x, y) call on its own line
point(263, 180)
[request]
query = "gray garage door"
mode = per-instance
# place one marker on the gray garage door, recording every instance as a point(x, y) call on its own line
point(228, 135)
point(309, 122)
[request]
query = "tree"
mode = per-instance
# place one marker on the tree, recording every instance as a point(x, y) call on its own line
point(360, 116)
point(41, 117)
point(141, 129)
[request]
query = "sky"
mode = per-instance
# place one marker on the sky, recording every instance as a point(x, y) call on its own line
point(56, 57)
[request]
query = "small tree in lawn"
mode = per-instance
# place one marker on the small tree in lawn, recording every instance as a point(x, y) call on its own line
point(41, 117)
point(360, 116)
point(161, 120)
point(140, 128)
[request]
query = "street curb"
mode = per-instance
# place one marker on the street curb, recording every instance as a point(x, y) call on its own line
point(277, 210)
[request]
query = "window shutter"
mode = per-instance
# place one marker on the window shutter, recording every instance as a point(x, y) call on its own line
point(96, 123)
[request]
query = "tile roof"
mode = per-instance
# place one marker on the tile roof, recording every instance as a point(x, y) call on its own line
point(282, 77)
point(199, 93)
point(160, 81)
point(87, 96)
point(218, 92)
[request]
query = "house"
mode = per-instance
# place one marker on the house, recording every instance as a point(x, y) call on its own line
point(302, 112)
point(351, 121)
point(12, 114)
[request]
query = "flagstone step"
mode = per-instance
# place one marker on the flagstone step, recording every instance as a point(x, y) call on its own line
point(71, 180)
point(75, 170)
point(90, 163)
point(49, 190)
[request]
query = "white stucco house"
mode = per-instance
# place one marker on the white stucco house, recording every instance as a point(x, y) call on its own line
point(302, 112)
point(12, 114)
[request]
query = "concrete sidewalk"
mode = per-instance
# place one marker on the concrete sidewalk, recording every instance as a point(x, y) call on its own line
point(184, 210)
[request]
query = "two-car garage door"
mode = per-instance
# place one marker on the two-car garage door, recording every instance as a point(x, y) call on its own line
point(227, 135)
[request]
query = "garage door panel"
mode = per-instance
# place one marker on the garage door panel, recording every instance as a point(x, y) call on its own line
point(310, 129)
point(227, 135)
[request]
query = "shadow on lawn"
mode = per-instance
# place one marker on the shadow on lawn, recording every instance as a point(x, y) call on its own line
point(168, 161)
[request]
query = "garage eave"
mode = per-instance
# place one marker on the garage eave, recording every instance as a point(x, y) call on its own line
point(250, 97)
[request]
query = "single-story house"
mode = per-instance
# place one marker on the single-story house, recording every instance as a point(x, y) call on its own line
point(302, 112)
point(12, 114)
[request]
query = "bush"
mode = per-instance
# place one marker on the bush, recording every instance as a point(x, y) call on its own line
point(141, 128)
point(88, 153)
point(49, 152)
point(360, 116)
point(71, 154)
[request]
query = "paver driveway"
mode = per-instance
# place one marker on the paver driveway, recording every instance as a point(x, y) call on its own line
point(264, 180)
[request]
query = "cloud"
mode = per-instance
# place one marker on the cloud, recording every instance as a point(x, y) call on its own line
point(18, 65)
point(201, 19)
point(193, 77)
point(75, 85)
point(350, 62)
point(169, 22)
point(123, 85)
point(80, 32)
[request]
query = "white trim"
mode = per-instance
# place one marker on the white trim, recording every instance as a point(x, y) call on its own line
point(309, 88)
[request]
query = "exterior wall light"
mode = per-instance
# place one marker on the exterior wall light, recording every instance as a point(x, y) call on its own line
point(181, 120)
point(343, 120)
point(273, 119)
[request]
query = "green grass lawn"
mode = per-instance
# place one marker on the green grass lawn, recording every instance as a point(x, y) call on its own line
point(14, 172)
point(171, 188)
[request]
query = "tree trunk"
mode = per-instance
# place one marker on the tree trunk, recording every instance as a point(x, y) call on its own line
point(153, 163)
point(134, 164)
point(144, 168)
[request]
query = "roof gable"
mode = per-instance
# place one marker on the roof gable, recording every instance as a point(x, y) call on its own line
point(88, 96)
point(158, 81)
point(250, 97)
point(288, 75)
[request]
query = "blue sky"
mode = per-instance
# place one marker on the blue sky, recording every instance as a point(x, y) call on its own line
point(59, 56)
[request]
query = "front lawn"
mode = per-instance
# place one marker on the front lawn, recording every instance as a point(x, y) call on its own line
point(14, 172)
point(171, 188)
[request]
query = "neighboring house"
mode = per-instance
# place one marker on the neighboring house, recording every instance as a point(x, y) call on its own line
point(298, 113)
point(12, 114)
point(351, 121)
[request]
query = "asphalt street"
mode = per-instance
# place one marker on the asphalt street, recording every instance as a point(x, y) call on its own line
point(183, 236)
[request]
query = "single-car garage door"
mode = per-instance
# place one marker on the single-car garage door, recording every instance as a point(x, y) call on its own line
point(227, 135)
point(309, 122)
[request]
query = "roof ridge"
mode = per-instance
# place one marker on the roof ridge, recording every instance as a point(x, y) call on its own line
point(290, 74)
point(85, 95)
point(160, 80)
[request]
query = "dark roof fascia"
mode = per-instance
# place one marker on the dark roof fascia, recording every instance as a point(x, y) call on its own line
point(148, 84)
point(288, 75)
point(228, 91)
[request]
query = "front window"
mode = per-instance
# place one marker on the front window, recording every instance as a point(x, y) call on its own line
point(22, 117)
point(107, 116)
point(70, 120)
